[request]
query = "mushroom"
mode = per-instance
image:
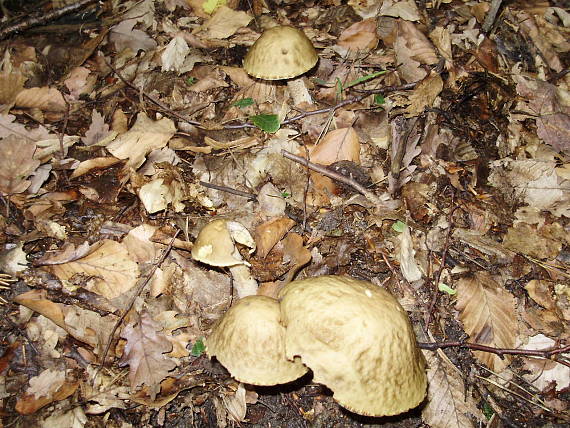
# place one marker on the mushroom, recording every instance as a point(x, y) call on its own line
point(283, 52)
point(249, 341)
point(216, 246)
point(357, 340)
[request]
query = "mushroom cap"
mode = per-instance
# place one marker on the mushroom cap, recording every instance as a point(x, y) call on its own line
point(249, 341)
point(281, 52)
point(357, 340)
point(215, 245)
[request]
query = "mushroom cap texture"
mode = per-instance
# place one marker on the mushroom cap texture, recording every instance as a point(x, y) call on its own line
point(357, 340)
point(281, 52)
point(215, 246)
point(249, 341)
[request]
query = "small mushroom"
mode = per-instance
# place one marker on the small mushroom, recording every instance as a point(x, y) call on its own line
point(357, 340)
point(249, 341)
point(216, 246)
point(283, 52)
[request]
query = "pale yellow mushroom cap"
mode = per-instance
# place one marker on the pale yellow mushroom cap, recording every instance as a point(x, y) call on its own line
point(249, 341)
point(215, 245)
point(357, 340)
point(281, 52)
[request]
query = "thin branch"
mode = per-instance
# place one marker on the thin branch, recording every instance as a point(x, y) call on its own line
point(501, 352)
point(43, 18)
point(226, 189)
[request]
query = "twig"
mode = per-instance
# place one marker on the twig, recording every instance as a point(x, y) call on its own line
point(501, 352)
point(226, 189)
point(332, 174)
point(132, 302)
point(491, 15)
point(442, 265)
point(43, 18)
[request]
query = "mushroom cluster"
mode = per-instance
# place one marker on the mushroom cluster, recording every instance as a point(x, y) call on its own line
point(280, 53)
point(353, 335)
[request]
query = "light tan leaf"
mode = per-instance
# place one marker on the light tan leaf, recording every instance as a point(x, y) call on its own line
point(412, 49)
point(16, 164)
point(11, 84)
point(448, 405)
point(145, 136)
point(225, 22)
point(74, 418)
point(487, 312)
point(79, 81)
point(144, 353)
point(109, 265)
point(47, 387)
point(360, 36)
point(97, 131)
point(269, 233)
point(124, 36)
point(337, 145)
point(174, 54)
point(405, 9)
point(543, 372)
point(94, 164)
point(235, 404)
point(45, 99)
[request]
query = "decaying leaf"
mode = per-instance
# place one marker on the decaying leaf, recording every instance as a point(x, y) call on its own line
point(487, 312)
point(144, 353)
point(448, 406)
point(16, 164)
point(108, 265)
point(270, 233)
point(49, 386)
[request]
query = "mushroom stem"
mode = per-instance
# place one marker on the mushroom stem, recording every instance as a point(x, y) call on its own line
point(244, 283)
point(299, 91)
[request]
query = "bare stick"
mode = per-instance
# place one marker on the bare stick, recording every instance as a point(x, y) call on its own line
point(501, 352)
point(43, 18)
point(247, 195)
point(491, 15)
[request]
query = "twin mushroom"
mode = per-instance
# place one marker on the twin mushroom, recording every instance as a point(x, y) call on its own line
point(353, 335)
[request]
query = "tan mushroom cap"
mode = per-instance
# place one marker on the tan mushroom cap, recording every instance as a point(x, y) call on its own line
point(249, 341)
point(281, 52)
point(215, 246)
point(357, 340)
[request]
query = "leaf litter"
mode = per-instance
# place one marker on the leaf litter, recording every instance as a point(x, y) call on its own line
point(430, 158)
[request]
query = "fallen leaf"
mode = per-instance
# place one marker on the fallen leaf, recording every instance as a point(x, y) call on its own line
point(360, 36)
point(108, 264)
point(144, 353)
point(145, 136)
point(225, 22)
point(448, 405)
point(16, 164)
point(124, 36)
point(487, 312)
point(269, 233)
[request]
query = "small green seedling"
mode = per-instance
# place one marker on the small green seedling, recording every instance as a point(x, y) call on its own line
point(191, 80)
point(399, 226)
point(266, 122)
point(446, 289)
point(244, 102)
point(198, 348)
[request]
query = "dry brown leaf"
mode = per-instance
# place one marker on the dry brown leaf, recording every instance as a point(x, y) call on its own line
point(337, 145)
point(45, 99)
point(526, 239)
point(84, 325)
point(269, 233)
point(98, 130)
point(145, 354)
point(448, 405)
point(226, 22)
point(11, 84)
point(487, 312)
point(145, 136)
point(108, 265)
point(16, 164)
point(543, 372)
point(124, 36)
point(360, 36)
point(424, 94)
point(49, 386)
point(412, 50)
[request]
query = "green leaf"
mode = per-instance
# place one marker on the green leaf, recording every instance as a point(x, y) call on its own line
point(488, 411)
point(244, 102)
point(379, 99)
point(446, 289)
point(198, 348)
point(191, 80)
point(339, 88)
point(365, 78)
point(266, 122)
point(399, 226)
point(210, 5)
